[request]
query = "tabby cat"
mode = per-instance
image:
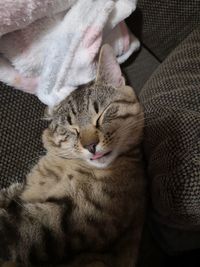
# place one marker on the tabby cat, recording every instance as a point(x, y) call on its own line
point(89, 188)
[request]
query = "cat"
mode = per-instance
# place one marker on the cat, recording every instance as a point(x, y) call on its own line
point(89, 188)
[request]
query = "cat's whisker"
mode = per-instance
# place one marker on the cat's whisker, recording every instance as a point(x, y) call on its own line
point(173, 110)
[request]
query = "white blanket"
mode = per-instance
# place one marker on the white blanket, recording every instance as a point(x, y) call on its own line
point(50, 47)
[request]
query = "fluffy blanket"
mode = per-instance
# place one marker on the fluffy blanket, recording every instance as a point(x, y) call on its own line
point(49, 47)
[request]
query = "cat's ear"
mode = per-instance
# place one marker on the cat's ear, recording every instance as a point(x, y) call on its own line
point(108, 69)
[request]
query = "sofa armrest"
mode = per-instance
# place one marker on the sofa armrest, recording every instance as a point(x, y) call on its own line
point(171, 100)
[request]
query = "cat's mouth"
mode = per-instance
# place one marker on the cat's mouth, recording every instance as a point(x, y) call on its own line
point(100, 155)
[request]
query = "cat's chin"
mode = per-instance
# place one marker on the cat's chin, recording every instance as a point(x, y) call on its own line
point(104, 161)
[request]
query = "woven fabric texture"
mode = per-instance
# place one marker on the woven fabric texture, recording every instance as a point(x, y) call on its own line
point(171, 100)
point(20, 134)
point(162, 25)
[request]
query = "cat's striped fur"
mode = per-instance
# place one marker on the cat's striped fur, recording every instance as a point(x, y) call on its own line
point(88, 189)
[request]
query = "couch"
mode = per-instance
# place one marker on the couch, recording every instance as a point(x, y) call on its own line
point(166, 76)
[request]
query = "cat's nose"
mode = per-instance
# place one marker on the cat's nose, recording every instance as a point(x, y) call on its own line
point(91, 147)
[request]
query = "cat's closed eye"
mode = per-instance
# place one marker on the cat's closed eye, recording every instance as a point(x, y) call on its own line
point(76, 131)
point(97, 125)
point(110, 114)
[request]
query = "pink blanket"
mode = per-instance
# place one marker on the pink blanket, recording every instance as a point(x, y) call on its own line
point(50, 47)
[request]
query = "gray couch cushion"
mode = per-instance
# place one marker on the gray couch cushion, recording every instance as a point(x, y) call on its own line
point(171, 99)
point(20, 134)
point(139, 67)
point(162, 25)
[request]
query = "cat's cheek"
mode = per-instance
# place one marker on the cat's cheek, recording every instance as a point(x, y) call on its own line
point(66, 146)
point(50, 140)
point(86, 155)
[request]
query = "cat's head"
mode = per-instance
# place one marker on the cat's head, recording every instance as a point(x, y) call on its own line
point(97, 122)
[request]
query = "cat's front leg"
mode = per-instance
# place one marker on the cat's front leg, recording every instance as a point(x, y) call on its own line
point(7, 195)
point(33, 232)
point(5, 233)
